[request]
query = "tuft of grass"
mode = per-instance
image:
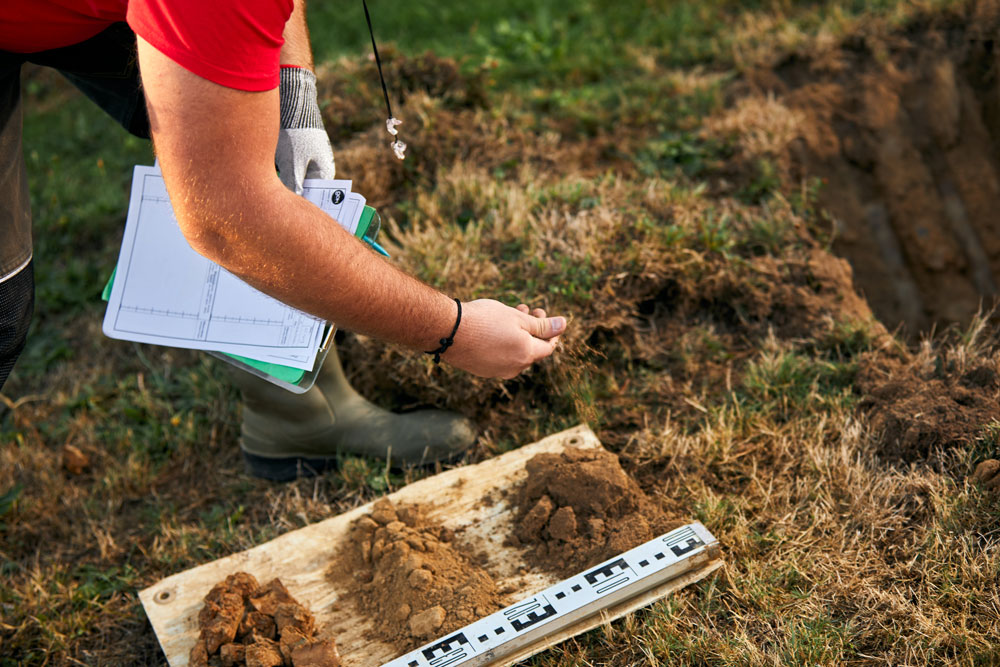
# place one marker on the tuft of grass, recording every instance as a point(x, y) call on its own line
point(789, 383)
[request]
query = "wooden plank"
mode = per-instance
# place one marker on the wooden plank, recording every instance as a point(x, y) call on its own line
point(302, 557)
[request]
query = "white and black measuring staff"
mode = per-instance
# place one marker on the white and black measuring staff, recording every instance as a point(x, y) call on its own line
point(557, 607)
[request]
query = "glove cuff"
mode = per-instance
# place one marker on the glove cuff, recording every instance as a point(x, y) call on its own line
point(299, 108)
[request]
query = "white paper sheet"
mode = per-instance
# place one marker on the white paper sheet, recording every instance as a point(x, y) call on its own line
point(336, 200)
point(167, 294)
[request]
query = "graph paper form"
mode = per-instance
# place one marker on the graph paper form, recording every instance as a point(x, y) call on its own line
point(165, 293)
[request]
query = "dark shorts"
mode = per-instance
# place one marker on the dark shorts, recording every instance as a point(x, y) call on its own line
point(105, 69)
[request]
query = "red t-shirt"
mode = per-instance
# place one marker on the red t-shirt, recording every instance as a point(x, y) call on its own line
point(235, 43)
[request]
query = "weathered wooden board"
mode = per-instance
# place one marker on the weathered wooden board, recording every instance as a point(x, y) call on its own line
point(454, 498)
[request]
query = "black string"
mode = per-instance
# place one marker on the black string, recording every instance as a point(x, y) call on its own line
point(378, 61)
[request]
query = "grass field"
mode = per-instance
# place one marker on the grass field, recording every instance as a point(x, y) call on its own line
point(599, 160)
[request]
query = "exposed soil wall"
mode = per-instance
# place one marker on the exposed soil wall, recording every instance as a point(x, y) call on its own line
point(904, 131)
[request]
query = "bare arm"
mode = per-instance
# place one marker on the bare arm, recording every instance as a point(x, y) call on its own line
point(216, 148)
point(297, 50)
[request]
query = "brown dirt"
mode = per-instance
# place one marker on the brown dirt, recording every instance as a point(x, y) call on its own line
point(74, 460)
point(987, 473)
point(917, 413)
point(903, 129)
point(579, 508)
point(244, 623)
point(794, 297)
point(409, 575)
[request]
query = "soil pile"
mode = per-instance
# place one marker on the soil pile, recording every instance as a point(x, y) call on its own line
point(579, 508)
point(244, 623)
point(903, 129)
point(917, 414)
point(410, 576)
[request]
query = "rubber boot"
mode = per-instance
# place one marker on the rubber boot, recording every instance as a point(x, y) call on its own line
point(286, 435)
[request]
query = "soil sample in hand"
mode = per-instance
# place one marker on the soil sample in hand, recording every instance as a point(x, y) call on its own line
point(408, 575)
point(244, 623)
point(579, 508)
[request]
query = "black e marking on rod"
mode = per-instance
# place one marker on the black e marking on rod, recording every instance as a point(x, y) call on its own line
point(519, 610)
point(609, 576)
point(687, 535)
point(449, 651)
point(529, 611)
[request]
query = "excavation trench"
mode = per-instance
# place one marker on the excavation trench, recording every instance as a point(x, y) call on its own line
point(903, 132)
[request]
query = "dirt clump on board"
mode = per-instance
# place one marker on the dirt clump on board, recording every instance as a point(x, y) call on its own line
point(408, 575)
point(579, 507)
point(902, 127)
point(916, 413)
point(244, 623)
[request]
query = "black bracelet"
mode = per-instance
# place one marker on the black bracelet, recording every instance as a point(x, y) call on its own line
point(450, 340)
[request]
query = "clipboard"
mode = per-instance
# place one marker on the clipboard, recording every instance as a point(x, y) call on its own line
point(295, 380)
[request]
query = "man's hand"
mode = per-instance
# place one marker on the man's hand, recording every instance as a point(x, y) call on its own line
point(495, 340)
point(304, 149)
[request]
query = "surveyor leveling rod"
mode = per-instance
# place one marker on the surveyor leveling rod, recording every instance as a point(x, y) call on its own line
point(621, 578)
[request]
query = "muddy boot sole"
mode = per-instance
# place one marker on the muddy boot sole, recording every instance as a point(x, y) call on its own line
point(287, 469)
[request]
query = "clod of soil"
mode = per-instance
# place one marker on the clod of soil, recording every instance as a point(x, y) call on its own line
point(916, 414)
point(411, 577)
point(74, 460)
point(988, 474)
point(579, 508)
point(244, 623)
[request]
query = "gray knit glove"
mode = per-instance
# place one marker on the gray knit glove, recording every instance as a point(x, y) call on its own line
point(304, 149)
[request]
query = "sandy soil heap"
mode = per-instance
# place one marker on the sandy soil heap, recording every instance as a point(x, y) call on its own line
point(409, 576)
point(244, 623)
point(579, 508)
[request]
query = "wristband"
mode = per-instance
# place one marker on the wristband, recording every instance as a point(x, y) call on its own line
point(450, 340)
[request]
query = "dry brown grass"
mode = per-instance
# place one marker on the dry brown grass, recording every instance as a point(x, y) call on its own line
point(714, 344)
